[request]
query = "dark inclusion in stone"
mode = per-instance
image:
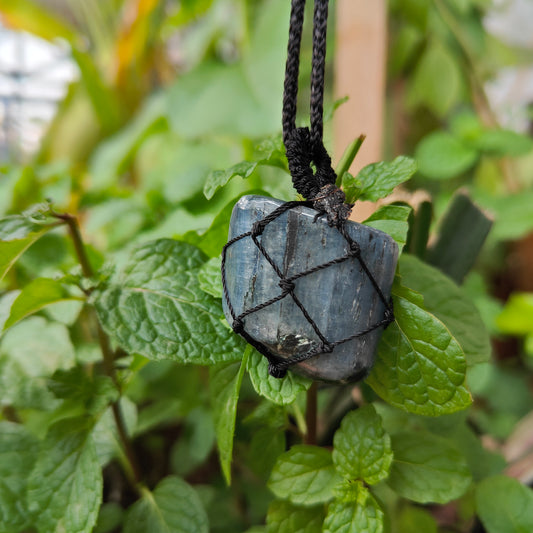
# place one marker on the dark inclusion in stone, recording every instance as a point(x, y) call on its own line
point(340, 299)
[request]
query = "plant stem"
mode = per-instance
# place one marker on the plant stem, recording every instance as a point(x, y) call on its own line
point(348, 157)
point(118, 416)
point(74, 229)
point(311, 414)
point(105, 346)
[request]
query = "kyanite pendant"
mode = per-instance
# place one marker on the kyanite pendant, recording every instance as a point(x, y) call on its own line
point(341, 299)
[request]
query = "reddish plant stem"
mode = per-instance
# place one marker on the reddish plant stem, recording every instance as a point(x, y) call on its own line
point(105, 346)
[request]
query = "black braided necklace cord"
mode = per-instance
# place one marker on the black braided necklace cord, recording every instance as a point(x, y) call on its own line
point(305, 148)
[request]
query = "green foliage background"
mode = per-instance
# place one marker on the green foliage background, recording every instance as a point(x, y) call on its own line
point(127, 402)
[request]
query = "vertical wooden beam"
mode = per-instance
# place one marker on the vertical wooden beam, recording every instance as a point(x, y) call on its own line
point(360, 61)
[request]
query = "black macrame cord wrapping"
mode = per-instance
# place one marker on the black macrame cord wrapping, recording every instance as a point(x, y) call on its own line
point(305, 149)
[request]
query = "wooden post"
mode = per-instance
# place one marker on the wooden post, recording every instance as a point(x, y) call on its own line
point(360, 59)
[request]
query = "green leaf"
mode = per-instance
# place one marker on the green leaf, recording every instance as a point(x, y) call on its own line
point(420, 367)
point(110, 518)
point(416, 520)
point(517, 315)
point(218, 178)
point(361, 515)
point(31, 350)
point(195, 443)
point(442, 156)
point(19, 232)
point(18, 449)
point(305, 475)
point(94, 393)
point(156, 308)
point(504, 505)
point(6, 301)
point(362, 449)
point(65, 486)
point(427, 468)
point(378, 180)
point(280, 391)
point(34, 18)
point(105, 434)
point(437, 80)
point(225, 385)
point(105, 101)
point(114, 154)
point(241, 99)
point(11, 250)
point(266, 446)
point(392, 219)
point(174, 506)
point(451, 305)
point(35, 296)
point(284, 517)
point(501, 143)
point(210, 279)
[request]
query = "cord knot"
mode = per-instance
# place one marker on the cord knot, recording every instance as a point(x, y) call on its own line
point(355, 249)
point(276, 370)
point(258, 228)
point(389, 314)
point(286, 285)
point(238, 326)
point(326, 347)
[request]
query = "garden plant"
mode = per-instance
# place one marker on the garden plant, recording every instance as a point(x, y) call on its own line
point(129, 404)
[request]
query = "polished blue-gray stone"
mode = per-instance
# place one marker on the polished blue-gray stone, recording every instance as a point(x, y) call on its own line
point(340, 299)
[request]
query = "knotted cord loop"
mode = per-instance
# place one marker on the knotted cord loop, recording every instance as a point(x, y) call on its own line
point(304, 147)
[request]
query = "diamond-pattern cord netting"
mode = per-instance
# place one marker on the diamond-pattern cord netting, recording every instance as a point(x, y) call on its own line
point(314, 178)
point(278, 366)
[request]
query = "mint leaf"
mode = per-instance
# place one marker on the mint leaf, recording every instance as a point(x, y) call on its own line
point(360, 515)
point(174, 506)
point(378, 180)
point(362, 449)
point(392, 219)
point(30, 351)
point(75, 385)
point(266, 446)
point(437, 80)
point(6, 301)
point(225, 385)
point(304, 475)
point(451, 305)
point(280, 391)
point(17, 234)
point(11, 250)
point(218, 178)
point(65, 486)
point(284, 517)
point(517, 315)
point(416, 520)
point(196, 442)
point(35, 296)
point(110, 518)
point(504, 505)
point(156, 308)
point(18, 450)
point(501, 143)
point(105, 433)
point(427, 468)
point(420, 367)
point(209, 277)
point(442, 156)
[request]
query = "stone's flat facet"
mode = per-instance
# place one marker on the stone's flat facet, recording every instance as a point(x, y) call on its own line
point(340, 298)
